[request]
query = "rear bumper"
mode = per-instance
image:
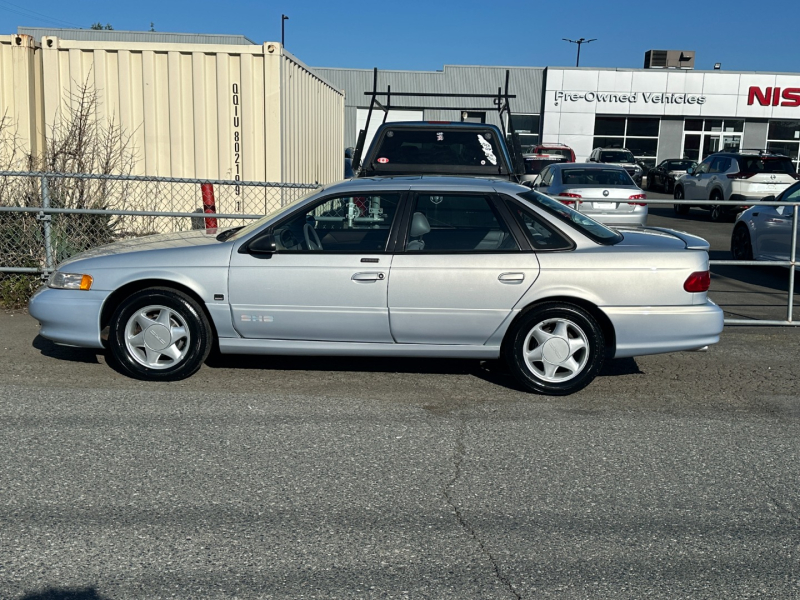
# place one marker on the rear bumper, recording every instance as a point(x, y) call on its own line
point(660, 329)
point(69, 317)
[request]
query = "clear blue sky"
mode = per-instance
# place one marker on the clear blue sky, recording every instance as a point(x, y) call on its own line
point(425, 35)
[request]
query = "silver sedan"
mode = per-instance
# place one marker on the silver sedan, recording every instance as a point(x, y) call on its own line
point(604, 192)
point(765, 232)
point(407, 266)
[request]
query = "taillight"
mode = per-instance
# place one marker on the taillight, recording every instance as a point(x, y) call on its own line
point(638, 197)
point(699, 281)
point(740, 175)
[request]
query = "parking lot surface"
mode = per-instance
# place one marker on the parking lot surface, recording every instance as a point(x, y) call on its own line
point(266, 477)
point(742, 292)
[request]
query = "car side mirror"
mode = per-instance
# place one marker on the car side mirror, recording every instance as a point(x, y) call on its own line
point(263, 246)
point(690, 171)
point(770, 198)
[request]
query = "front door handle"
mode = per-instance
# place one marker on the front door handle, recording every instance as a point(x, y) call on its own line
point(511, 277)
point(368, 276)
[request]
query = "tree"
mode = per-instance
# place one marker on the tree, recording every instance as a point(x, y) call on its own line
point(100, 26)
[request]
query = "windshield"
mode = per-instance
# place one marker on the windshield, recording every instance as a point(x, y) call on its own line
point(269, 216)
point(601, 177)
point(679, 165)
point(589, 227)
point(422, 150)
point(616, 156)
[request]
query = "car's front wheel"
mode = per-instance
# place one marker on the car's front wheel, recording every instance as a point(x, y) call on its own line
point(555, 349)
point(680, 209)
point(159, 334)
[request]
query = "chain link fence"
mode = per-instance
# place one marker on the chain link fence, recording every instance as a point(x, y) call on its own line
point(46, 218)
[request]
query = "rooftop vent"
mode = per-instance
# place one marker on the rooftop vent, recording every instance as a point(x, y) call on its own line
point(669, 59)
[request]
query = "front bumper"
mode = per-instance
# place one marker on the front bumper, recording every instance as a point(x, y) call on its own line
point(69, 317)
point(659, 329)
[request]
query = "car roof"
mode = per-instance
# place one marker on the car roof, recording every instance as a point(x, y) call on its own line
point(604, 166)
point(439, 182)
point(434, 124)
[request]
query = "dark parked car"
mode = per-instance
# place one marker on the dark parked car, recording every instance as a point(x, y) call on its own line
point(663, 176)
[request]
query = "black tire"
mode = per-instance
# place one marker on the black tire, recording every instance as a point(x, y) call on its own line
point(741, 246)
point(568, 333)
point(715, 210)
point(651, 186)
point(680, 209)
point(159, 334)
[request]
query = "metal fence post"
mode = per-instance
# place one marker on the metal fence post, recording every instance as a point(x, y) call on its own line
point(49, 262)
point(793, 260)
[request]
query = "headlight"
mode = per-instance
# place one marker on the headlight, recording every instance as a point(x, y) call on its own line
point(70, 281)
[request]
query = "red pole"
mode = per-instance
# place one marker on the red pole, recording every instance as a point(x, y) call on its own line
point(209, 205)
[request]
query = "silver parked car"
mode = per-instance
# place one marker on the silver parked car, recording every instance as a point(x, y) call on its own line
point(604, 192)
point(404, 266)
point(765, 232)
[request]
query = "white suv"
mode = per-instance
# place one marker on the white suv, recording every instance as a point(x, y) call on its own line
point(746, 176)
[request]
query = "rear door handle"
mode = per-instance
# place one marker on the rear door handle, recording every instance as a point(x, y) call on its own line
point(368, 276)
point(511, 277)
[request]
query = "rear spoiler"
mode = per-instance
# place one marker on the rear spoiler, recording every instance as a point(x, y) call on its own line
point(692, 242)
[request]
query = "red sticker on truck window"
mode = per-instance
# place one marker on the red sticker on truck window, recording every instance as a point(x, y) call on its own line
point(383, 161)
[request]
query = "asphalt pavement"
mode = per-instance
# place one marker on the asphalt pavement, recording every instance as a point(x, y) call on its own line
point(671, 476)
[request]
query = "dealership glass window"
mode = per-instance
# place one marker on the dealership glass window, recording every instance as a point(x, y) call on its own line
point(527, 126)
point(637, 134)
point(783, 137)
point(703, 137)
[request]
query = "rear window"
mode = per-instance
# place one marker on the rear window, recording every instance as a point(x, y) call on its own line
point(588, 227)
point(554, 151)
point(616, 156)
point(424, 150)
point(758, 164)
point(608, 177)
point(534, 166)
point(680, 165)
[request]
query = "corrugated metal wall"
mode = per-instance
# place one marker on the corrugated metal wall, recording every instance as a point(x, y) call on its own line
point(524, 82)
point(195, 111)
point(20, 99)
point(314, 119)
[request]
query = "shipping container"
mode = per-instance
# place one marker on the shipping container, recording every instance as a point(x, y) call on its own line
point(20, 101)
point(253, 113)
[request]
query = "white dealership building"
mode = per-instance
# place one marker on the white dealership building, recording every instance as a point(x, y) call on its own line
point(669, 113)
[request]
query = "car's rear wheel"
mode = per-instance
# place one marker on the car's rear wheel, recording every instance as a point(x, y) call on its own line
point(555, 349)
point(680, 209)
point(159, 334)
point(741, 247)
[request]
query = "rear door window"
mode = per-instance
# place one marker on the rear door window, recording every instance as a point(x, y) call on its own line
point(457, 223)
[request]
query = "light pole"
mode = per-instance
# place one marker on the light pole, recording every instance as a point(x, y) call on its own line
point(579, 42)
point(284, 18)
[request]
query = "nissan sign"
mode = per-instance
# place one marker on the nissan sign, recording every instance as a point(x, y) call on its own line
point(773, 96)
